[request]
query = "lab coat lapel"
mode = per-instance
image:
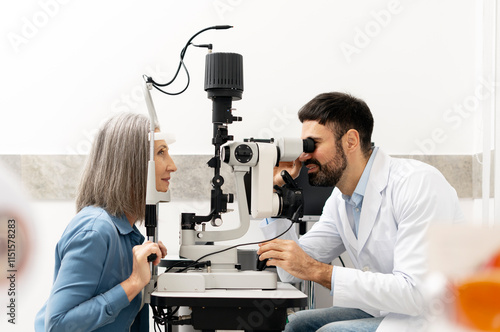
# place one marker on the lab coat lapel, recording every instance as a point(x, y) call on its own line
point(349, 234)
point(372, 200)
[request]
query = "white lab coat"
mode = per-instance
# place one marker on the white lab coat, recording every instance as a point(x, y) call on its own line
point(402, 198)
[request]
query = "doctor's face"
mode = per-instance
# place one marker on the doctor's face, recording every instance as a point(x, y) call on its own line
point(327, 163)
point(164, 165)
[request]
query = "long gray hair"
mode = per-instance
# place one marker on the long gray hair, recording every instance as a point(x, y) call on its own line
point(115, 174)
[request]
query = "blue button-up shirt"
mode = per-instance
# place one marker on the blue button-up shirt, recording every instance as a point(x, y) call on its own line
point(354, 203)
point(93, 256)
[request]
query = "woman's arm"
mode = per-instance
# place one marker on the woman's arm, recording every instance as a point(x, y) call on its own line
point(72, 305)
point(140, 272)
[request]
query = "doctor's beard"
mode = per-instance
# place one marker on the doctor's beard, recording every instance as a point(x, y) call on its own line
point(329, 173)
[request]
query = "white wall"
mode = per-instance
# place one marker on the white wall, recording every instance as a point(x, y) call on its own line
point(69, 64)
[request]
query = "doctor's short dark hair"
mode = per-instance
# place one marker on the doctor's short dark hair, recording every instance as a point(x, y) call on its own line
point(343, 112)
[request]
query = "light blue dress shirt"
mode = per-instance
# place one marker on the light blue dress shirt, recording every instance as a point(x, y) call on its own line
point(354, 203)
point(93, 256)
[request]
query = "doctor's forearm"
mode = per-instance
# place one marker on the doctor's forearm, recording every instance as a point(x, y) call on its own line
point(321, 273)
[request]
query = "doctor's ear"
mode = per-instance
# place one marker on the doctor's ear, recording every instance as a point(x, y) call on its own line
point(351, 139)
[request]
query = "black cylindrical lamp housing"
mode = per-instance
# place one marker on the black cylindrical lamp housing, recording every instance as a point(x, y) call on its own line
point(224, 75)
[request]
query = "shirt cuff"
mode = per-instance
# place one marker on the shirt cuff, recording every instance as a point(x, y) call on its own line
point(116, 298)
point(333, 280)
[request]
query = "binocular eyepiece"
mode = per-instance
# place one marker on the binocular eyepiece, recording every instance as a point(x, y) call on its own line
point(308, 145)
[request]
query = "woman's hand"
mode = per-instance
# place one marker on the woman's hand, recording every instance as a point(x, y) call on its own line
point(141, 273)
point(163, 249)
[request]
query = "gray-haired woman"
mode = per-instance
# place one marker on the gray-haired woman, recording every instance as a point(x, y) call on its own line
point(101, 260)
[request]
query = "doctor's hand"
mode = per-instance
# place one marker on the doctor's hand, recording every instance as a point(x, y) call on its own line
point(141, 273)
point(287, 255)
point(292, 167)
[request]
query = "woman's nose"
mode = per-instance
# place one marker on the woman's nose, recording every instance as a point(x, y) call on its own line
point(171, 165)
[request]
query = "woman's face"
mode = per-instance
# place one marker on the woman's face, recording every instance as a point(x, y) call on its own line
point(164, 165)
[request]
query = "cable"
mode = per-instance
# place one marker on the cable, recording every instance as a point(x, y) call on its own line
point(155, 85)
point(181, 62)
point(162, 318)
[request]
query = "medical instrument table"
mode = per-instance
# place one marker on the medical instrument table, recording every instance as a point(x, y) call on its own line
point(249, 310)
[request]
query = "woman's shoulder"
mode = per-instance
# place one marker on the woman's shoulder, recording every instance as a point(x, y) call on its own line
point(91, 219)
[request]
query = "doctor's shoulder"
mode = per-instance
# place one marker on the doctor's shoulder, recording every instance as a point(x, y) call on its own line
point(412, 181)
point(415, 181)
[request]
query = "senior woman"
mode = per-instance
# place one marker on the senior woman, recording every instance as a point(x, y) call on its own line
point(101, 260)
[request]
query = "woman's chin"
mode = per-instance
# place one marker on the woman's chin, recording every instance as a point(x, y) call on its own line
point(162, 189)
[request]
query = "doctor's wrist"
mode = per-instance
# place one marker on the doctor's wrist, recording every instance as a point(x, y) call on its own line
point(322, 274)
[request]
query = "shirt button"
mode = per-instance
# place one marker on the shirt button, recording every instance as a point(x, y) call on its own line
point(357, 209)
point(366, 268)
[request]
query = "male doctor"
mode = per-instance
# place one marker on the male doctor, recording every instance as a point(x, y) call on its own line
point(379, 213)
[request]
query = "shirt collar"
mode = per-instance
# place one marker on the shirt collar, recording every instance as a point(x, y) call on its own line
point(359, 192)
point(123, 226)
